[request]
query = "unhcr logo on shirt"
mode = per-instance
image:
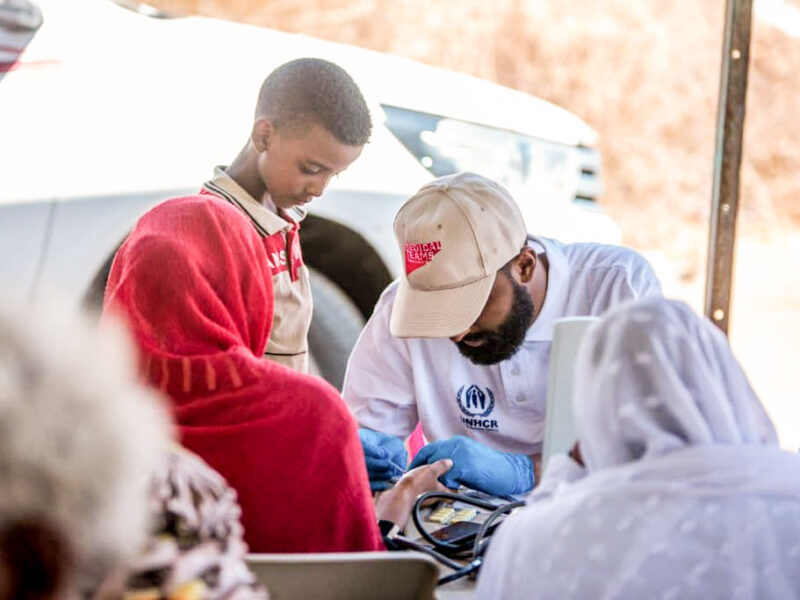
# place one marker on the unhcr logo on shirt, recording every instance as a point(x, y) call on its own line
point(476, 405)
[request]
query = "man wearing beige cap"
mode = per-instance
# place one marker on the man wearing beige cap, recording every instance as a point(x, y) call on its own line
point(461, 343)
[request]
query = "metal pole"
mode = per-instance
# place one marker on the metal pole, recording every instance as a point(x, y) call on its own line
point(727, 160)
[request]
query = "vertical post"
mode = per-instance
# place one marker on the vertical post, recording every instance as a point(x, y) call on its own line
point(727, 160)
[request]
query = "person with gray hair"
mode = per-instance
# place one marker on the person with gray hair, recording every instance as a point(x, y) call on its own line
point(96, 500)
point(679, 488)
point(79, 439)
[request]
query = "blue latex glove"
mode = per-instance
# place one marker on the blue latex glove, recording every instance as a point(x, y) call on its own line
point(479, 467)
point(386, 457)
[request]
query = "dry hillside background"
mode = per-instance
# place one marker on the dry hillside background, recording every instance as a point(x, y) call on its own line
point(645, 74)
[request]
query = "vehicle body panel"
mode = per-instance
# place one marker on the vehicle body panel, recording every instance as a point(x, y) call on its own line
point(108, 112)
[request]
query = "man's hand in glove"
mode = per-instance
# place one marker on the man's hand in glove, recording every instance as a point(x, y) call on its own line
point(385, 455)
point(479, 467)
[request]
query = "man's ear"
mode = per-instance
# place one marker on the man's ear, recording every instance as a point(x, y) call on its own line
point(263, 131)
point(526, 264)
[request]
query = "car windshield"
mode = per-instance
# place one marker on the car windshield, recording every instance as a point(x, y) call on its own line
point(525, 165)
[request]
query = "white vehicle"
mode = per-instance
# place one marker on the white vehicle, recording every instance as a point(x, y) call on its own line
point(107, 110)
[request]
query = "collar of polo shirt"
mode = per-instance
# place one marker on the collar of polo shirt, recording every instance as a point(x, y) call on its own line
point(556, 295)
point(267, 222)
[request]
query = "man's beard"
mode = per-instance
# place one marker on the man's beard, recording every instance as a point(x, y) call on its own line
point(507, 339)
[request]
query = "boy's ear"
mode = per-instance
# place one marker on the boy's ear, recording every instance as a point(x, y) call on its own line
point(263, 130)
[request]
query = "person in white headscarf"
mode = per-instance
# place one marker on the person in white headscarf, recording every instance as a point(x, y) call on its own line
point(684, 493)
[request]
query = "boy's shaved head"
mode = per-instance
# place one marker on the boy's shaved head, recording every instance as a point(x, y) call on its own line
point(312, 90)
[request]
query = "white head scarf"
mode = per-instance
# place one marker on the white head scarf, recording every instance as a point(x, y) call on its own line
point(652, 378)
point(686, 495)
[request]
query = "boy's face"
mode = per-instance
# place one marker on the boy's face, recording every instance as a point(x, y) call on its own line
point(296, 163)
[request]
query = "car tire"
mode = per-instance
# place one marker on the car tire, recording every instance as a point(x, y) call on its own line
point(335, 327)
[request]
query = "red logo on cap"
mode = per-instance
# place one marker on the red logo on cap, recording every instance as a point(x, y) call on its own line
point(419, 255)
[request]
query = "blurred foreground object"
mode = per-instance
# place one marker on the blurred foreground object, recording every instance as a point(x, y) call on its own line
point(78, 442)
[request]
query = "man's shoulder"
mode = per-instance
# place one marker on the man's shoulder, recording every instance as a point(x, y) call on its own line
point(603, 266)
point(591, 255)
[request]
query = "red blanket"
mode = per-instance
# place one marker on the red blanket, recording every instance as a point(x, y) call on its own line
point(193, 282)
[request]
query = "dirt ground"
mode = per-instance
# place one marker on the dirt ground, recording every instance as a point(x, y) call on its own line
point(766, 324)
point(765, 320)
point(645, 74)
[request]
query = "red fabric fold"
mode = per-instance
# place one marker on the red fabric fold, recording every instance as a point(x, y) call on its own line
point(193, 283)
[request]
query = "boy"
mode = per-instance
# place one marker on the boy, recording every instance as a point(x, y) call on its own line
point(311, 123)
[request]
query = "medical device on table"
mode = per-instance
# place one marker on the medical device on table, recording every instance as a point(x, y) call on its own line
point(465, 530)
point(560, 434)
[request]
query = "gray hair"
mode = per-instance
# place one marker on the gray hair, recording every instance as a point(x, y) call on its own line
point(79, 436)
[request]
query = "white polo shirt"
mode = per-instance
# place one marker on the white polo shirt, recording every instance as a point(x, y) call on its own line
point(393, 383)
point(292, 306)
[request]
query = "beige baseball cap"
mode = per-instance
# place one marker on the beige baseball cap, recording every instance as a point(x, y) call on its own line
point(454, 235)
